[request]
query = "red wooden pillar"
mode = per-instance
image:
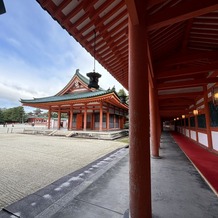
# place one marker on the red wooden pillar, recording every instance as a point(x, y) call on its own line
point(159, 128)
point(68, 120)
point(207, 116)
point(139, 151)
point(114, 119)
point(154, 132)
point(189, 126)
point(93, 118)
point(108, 118)
point(59, 117)
point(196, 125)
point(85, 117)
point(101, 117)
point(49, 118)
point(71, 117)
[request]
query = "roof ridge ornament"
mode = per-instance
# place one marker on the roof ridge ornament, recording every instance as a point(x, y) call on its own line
point(93, 76)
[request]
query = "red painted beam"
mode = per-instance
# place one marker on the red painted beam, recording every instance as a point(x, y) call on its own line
point(180, 95)
point(185, 10)
point(191, 83)
point(187, 71)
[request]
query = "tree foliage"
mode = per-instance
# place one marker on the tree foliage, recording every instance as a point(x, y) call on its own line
point(1, 116)
point(12, 115)
point(37, 111)
point(121, 93)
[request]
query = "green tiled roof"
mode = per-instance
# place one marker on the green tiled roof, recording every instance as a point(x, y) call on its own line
point(73, 96)
point(83, 78)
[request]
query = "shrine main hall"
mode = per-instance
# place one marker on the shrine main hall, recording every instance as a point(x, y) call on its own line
point(86, 108)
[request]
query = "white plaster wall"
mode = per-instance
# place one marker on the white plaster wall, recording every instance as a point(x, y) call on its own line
point(183, 131)
point(187, 132)
point(52, 124)
point(202, 138)
point(215, 140)
point(193, 135)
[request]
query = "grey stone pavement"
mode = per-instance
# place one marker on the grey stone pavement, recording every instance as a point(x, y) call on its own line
point(100, 190)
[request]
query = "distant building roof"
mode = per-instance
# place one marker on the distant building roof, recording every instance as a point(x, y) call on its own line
point(66, 97)
point(76, 90)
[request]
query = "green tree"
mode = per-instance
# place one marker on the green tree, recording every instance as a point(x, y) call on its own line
point(1, 116)
point(37, 111)
point(16, 114)
point(30, 114)
point(64, 115)
point(7, 114)
point(121, 93)
point(54, 115)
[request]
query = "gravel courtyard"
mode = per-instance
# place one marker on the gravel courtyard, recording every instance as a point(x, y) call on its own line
point(30, 162)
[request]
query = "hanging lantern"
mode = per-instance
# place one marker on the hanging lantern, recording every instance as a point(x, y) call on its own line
point(93, 79)
point(183, 116)
point(93, 76)
point(195, 112)
point(215, 96)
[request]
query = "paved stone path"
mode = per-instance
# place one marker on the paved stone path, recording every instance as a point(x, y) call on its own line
point(31, 162)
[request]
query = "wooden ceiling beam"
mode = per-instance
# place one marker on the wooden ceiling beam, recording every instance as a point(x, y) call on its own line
point(99, 23)
point(66, 21)
point(152, 3)
point(180, 95)
point(60, 7)
point(203, 46)
point(170, 115)
point(163, 34)
point(173, 108)
point(205, 34)
point(115, 52)
point(107, 36)
point(168, 50)
point(85, 5)
point(166, 47)
point(203, 41)
point(185, 10)
point(170, 37)
point(187, 57)
point(187, 71)
point(186, 35)
point(94, 16)
point(173, 79)
point(137, 11)
point(111, 43)
point(205, 26)
point(176, 103)
point(191, 83)
point(44, 3)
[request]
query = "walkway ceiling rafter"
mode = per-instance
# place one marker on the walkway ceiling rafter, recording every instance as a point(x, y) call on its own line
point(182, 39)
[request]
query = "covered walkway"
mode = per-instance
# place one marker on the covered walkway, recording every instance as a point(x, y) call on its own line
point(178, 190)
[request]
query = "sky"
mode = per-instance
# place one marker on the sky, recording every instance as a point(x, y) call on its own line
point(37, 56)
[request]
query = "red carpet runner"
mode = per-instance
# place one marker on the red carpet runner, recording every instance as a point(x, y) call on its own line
point(206, 162)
